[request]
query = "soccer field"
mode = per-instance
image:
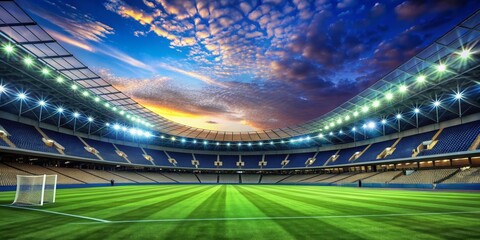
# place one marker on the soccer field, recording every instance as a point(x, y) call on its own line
point(244, 212)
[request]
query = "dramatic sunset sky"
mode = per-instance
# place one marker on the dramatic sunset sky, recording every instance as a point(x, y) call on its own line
point(245, 65)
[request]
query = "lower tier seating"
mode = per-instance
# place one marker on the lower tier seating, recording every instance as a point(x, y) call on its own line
point(425, 176)
point(470, 175)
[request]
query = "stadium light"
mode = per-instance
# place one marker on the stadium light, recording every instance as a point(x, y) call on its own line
point(283, 141)
point(28, 61)
point(59, 79)
point(347, 117)
point(107, 124)
point(60, 110)
point(74, 87)
point(228, 144)
point(421, 78)
point(441, 67)
point(183, 140)
point(249, 144)
point(371, 125)
point(194, 141)
point(416, 110)
point(2, 89)
point(42, 103)
point(384, 121)
point(46, 71)
point(389, 96)
point(116, 127)
point(217, 143)
point(239, 144)
point(398, 116)
point(320, 135)
point(376, 103)
point(22, 96)
point(355, 113)
point(148, 134)
point(260, 143)
point(271, 143)
point(205, 142)
point(354, 129)
point(458, 96)
point(85, 93)
point(340, 132)
point(124, 129)
point(8, 48)
point(465, 53)
point(173, 139)
point(365, 109)
point(436, 103)
point(90, 119)
point(331, 133)
point(403, 88)
point(76, 114)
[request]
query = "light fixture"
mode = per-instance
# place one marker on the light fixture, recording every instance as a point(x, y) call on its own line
point(389, 96)
point(22, 96)
point(384, 121)
point(376, 103)
point(260, 143)
point(371, 125)
point(45, 71)
point(90, 119)
point(239, 144)
point(458, 96)
point(465, 54)
point(8, 48)
point(354, 129)
point(76, 114)
point(107, 124)
point(173, 139)
point(116, 127)
point(249, 144)
point(271, 142)
point(183, 140)
point(85, 93)
point(205, 142)
point(228, 144)
point(365, 109)
point(441, 67)
point(403, 88)
point(398, 116)
point(74, 87)
point(28, 61)
point(194, 141)
point(42, 103)
point(60, 110)
point(355, 113)
point(436, 103)
point(97, 99)
point(416, 110)
point(421, 78)
point(217, 143)
point(2, 89)
point(59, 79)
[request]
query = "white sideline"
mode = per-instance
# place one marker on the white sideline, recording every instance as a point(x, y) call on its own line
point(58, 213)
point(282, 218)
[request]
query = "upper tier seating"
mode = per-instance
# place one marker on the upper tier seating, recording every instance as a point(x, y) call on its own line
point(229, 161)
point(228, 178)
point(25, 136)
point(345, 154)
point(274, 161)
point(134, 154)
point(297, 160)
point(424, 176)
point(404, 148)
point(159, 157)
point(39, 170)
point(471, 175)
point(106, 150)
point(322, 158)
point(250, 178)
point(455, 139)
point(183, 159)
point(207, 178)
point(251, 161)
point(206, 161)
point(374, 150)
point(383, 177)
point(73, 146)
point(8, 175)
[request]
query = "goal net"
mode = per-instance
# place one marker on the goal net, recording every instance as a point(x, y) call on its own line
point(35, 190)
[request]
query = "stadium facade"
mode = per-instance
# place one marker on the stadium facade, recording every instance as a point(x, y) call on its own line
point(425, 114)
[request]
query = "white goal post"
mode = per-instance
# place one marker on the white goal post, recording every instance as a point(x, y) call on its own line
point(35, 189)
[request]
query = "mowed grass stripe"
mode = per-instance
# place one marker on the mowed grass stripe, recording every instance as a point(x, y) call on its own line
point(434, 203)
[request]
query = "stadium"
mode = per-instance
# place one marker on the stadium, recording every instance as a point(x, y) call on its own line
point(389, 154)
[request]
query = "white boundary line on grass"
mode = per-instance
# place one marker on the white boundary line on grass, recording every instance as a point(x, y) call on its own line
point(282, 218)
point(58, 213)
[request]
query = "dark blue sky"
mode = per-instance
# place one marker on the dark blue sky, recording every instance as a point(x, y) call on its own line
point(244, 65)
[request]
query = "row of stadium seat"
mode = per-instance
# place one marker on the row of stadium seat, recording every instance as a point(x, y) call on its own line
point(9, 171)
point(452, 139)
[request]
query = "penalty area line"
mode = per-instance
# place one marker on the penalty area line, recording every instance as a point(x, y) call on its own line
point(58, 213)
point(283, 218)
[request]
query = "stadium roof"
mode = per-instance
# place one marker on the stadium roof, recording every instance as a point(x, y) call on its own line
point(25, 32)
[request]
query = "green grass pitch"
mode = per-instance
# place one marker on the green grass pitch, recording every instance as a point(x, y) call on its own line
point(245, 212)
